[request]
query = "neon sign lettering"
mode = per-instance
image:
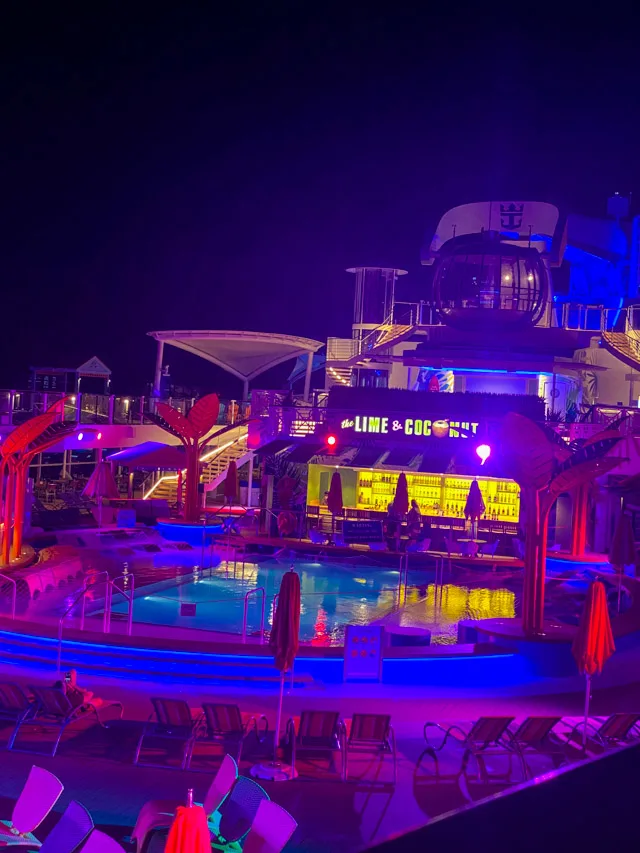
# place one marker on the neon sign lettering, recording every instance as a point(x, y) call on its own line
point(415, 427)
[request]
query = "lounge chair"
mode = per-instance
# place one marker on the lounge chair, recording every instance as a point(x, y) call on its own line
point(100, 842)
point(318, 732)
point(370, 734)
point(535, 736)
point(158, 814)
point(271, 829)
point(170, 720)
point(15, 706)
point(317, 537)
point(223, 724)
point(617, 730)
point(56, 711)
point(40, 794)
point(486, 734)
point(489, 550)
point(236, 815)
point(70, 831)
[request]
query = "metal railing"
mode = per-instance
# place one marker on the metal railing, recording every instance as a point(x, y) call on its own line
point(258, 590)
point(81, 598)
point(128, 597)
point(14, 593)
point(16, 406)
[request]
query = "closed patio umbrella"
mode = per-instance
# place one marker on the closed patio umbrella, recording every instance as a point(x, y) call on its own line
point(231, 483)
point(334, 498)
point(284, 641)
point(623, 549)
point(593, 644)
point(474, 507)
point(101, 485)
point(401, 499)
point(189, 832)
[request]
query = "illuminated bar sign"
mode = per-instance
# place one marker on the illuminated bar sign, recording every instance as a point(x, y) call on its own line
point(404, 426)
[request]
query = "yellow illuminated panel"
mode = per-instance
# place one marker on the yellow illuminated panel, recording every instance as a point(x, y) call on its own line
point(439, 494)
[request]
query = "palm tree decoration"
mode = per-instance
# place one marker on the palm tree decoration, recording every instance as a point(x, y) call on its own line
point(191, 430)
point(545, 466)
point(36, 435)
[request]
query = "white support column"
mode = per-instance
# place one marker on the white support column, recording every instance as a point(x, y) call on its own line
point(245, 391)
point(157, 378)
point(64, 464)
point(307, 377)
point(250, 481)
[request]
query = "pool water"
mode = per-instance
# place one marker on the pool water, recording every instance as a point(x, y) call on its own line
point(337, 593)
point(333, 595)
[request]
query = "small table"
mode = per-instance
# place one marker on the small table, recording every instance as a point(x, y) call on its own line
point(473, 546)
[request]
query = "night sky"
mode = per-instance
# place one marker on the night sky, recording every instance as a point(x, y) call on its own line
point(181, 169)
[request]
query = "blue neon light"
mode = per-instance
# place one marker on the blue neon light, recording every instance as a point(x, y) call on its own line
point(492, 370)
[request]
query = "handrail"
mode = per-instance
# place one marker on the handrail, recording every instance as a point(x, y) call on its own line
point(256, 590)
point(128, 596)
point(78, 598)
point(14, 594)
point(110, 585)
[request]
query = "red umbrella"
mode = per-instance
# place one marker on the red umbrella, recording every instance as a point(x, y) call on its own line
point(623, 549)
point(474, 507)
point(401, 499)
point(593, 644)
point(231, 483)
point(189, 832)
point(284, 640)
point(101, 485)
point(334, 499)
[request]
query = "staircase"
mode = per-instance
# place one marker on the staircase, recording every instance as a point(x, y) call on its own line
point(623, 346)
point(217, 461)
point(380, 340)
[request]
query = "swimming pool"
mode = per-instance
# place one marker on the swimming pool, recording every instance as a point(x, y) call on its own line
point(333, 595)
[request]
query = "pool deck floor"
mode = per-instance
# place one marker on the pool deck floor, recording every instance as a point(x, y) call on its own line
point(95, 764)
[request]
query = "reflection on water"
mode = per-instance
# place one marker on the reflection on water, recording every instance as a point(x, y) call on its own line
point(334, 595)
point(442, 608)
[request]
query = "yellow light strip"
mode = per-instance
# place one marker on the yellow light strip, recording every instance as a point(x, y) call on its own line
point(204, 458)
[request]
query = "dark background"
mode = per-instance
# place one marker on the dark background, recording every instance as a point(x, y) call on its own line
point(168, 168)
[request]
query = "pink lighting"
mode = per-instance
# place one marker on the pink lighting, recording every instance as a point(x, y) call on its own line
point(484, 452)
point(331, 440)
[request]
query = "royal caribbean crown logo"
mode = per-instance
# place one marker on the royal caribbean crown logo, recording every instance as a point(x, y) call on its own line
point(511, 215)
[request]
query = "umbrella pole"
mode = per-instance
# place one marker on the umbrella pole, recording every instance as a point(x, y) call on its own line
point(619, 589)
point(587, 698)
point(276, 735)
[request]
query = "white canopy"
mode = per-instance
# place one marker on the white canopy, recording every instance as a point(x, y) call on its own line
point(244, 354)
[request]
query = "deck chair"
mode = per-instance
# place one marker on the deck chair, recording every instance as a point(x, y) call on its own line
point(617, 730)
point(170, 720)
point(223, 724)
point(100, 842)
point(158, 814)
point(15, 706)
point(370, 734)
point(70, 831)
point(486, 734)
point(236, 815)
point(40, 794)
point(317, 537)
point(489, 550)
point(318, 732)
point(536, 736)
point(54, 710)
point(271, 829)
